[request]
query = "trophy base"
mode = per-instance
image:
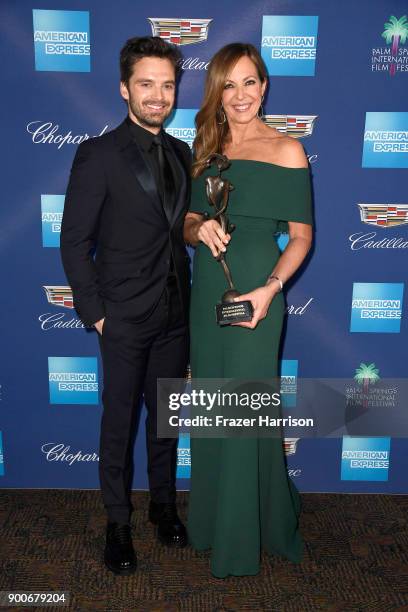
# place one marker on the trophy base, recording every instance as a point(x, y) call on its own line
point(234, 312)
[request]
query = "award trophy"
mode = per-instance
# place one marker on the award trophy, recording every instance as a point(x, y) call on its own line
point(217, 189)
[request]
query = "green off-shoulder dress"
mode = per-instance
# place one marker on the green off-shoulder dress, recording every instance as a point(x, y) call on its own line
point(242, 499)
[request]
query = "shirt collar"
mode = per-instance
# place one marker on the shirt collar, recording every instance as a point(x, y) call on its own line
point(143, 137)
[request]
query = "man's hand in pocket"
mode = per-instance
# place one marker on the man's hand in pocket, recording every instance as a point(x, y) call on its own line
point(99, 326)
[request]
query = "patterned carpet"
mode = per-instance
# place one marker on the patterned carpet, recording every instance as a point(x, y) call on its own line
point(356, 558)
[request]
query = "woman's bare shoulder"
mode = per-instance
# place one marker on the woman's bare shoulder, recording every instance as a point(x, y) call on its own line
point(286, 151)
point(276, 148)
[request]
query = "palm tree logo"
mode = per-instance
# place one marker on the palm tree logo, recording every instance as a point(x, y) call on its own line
point(396, 32)
point(366, 375)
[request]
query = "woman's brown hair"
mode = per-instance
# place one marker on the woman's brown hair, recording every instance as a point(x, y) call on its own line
point(211, 131)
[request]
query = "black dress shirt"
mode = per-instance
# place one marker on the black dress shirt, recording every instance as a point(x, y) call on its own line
point(145, 142)
point(144, 139)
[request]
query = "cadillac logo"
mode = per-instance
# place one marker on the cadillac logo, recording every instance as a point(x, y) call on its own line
point(297, 126)
point(289, 445)
point(59, 296)
point(180, 31)
point(384, 215)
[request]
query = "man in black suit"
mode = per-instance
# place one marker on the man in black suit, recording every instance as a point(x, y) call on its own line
point(126, 201)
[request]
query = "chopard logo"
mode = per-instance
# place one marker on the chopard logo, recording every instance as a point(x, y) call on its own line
point(299, 310)
point(48, 133)
point(60, 452)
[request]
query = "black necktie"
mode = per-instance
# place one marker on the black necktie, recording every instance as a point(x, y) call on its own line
point(166, 183)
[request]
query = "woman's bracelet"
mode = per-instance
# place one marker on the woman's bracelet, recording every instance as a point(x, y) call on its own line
point(273, 276)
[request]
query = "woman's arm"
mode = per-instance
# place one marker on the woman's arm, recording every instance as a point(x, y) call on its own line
point(292, 257)
point(291, 155)
point(300, 241)
point(197, 230)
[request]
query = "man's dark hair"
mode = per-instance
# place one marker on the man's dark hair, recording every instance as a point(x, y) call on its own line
point(137, 48)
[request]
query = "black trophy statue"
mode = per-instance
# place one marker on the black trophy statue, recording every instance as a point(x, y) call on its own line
point(218, 189)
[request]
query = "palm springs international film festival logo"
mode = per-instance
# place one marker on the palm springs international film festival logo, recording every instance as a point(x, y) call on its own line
point(61, 41)
point(376, 307)
point(289, 44)
point(73, 380)
point(394, 58)
point(368, 390)
point(385, 140)
point(365, 458)
point(385, 217)
point(52, 208)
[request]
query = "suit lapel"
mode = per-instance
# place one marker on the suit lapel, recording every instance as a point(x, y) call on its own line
point(135, 161)
point(142, 173)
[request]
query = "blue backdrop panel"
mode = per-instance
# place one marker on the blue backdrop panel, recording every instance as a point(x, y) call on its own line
point(338, 80)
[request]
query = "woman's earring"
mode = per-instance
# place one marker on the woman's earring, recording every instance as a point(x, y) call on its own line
point(261, 114)
point(225, 117)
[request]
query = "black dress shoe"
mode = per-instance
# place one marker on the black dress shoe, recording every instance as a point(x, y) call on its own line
point(120, 556)
point(170, 530)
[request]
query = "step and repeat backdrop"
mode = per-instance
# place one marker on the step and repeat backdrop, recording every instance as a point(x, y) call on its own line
point(338, 82)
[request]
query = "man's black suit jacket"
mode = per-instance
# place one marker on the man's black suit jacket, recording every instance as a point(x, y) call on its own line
point(116, 241)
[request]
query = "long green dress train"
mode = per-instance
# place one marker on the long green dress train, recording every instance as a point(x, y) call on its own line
point(242, 498)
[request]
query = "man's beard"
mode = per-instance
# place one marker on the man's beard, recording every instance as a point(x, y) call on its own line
point(149, 118)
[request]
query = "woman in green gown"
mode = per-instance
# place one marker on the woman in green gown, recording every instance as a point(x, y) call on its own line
point(242, 499)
